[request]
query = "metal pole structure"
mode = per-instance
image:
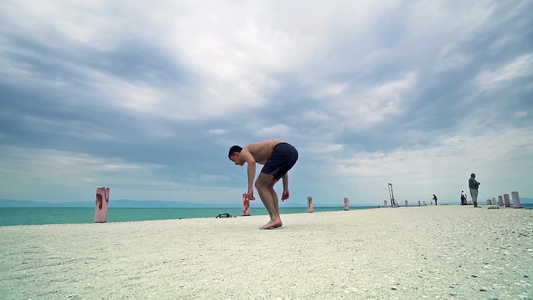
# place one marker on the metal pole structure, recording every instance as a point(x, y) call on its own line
point(391, 194)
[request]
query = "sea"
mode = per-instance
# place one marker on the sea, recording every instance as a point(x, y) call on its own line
point(10, 216)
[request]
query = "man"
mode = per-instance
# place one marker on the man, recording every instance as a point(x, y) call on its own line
point(473, 185)
point(278, 157)
point(435, 198)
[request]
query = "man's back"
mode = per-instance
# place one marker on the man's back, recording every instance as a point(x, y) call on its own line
point(261, 151)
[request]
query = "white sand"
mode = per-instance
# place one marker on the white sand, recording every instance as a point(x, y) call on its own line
point(448, 252)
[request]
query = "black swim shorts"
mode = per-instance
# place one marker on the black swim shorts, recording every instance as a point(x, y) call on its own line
point(283, 158)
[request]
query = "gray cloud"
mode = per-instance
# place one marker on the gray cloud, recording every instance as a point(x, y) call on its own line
point(415, 93)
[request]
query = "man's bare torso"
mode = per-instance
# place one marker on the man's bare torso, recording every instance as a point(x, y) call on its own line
point(261, 151)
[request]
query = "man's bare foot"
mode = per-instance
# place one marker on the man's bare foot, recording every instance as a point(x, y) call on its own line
point(272, 224)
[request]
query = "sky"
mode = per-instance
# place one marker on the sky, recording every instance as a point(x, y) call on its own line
point(147, 97)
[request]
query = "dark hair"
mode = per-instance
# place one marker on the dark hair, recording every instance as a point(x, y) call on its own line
point(233, 149)
point(472, 175)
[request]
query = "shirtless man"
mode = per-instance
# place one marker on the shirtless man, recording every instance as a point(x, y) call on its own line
point(278, 157)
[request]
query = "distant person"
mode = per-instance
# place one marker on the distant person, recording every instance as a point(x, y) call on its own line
point(474, 186)
point(278, 157)
point(463, 198)
point(435, 198)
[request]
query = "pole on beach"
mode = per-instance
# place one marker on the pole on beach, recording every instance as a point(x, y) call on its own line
point(101, 205)
point(393, 202)
point(516, 200)
point(245, 205)
point(309, 204)
point(346, 204)
point(506, 200)
point(406, 203)
point(500, 200)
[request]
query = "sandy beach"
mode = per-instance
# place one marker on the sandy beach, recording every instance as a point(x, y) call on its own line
point(447, 252)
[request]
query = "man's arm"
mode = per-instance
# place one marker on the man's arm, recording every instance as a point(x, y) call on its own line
point(249, 158)
point(285, 195)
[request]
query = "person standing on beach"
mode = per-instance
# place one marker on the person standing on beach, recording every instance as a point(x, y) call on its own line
point(435, 198)
point(474, 186)
point(463, 198)
point(277, 158)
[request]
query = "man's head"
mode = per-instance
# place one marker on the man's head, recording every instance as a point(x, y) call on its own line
point(472, 175)
point(234, 153)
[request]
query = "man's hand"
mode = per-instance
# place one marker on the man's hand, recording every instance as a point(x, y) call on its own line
point(285, 195)
point(250, 194)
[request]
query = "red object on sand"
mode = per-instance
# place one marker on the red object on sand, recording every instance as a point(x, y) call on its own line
point(506, 200)
point(245, 205)
point(516, 200)
point(102, 203)
point(346, 204)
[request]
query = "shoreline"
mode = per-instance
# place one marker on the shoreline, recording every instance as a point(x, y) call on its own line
point(31, 216)
point(37, 216)
point(447, 251)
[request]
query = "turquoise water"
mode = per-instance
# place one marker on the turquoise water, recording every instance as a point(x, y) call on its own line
point(45, 215)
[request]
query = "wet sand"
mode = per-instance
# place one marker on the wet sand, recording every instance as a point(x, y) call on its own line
point(448, 252)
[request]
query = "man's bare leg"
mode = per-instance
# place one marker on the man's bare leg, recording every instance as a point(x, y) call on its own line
point(274, 196)
point(264, 184)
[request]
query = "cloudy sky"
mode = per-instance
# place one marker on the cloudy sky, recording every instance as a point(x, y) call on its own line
point(146, 97)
